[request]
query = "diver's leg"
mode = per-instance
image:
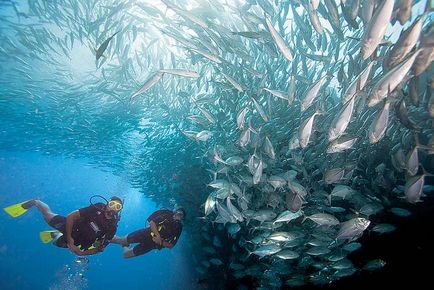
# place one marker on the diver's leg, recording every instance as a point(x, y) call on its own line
point(45, 210)
point(140, 249)
point(120, 241)
point(54, 220)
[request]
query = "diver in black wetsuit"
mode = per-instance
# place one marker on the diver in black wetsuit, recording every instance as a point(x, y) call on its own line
point(163, 232)
point(85, 231)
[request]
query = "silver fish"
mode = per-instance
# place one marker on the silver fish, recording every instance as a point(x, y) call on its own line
point(279, 41)
point(414, 188)
point(352, 228)
point(288, 216)
point(341, 144)
point(341, 121)
point(379, 125)
point(154, 79)
point(376, 28)
point(405, 43)
point(311, 94)
point(323, 219)
point(180, 72)
point(391, 80)
point(305, 130)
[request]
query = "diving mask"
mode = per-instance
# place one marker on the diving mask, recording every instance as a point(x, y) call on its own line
point(114, 205)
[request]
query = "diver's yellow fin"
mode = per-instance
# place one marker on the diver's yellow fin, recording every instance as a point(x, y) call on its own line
point(17, 209)
point(48, 236)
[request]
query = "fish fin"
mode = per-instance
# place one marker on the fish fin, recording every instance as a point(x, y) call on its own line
point(429, 7)
point(251, 128)
point(426, 173)
point(418, 144)
point(217, 156)
point(354, 211)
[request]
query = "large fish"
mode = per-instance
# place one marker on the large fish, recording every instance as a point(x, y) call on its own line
point(312, 93)
point(404, 10)
point(341, 121)
point(358, 84)
point(380, 124)
point(305, 130)
point(391, 80)
point(341, 144)
point(414, 188)
point(426, 55)
point(352, 228)
point(376, 28)
point(323, 219)
point(405, 43)
point(314, 19)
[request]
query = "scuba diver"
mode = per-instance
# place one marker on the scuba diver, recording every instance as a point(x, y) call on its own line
point(163, 232)
point(85, 231)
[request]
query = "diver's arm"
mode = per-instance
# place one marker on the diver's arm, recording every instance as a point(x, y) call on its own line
point(69, 225)
point(155, 231)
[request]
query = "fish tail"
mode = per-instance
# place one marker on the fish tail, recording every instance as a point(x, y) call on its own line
point(425, 173)
point(428, 7)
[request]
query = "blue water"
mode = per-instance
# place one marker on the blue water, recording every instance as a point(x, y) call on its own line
point(66, 185)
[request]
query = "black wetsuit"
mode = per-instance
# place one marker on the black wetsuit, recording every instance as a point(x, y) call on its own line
point(169, 230)
point(92, 226)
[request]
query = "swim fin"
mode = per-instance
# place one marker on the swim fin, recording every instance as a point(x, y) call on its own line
point(48, 236)
point(18, 209)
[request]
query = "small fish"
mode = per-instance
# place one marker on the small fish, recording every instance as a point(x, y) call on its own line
point(279, 41)
point(152, 81)
point(374, 265)
point(383, 228)
point(323, 219)
point(180, 72)
point(102, 48)
point(288, 216)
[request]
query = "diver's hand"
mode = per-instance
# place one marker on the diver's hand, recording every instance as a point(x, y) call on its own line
point(157, 240)
point(93, 251)
point(100, 248)
point(74, 249)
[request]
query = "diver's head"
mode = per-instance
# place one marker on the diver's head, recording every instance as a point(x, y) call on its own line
point(113, 207)
point(179, 214)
